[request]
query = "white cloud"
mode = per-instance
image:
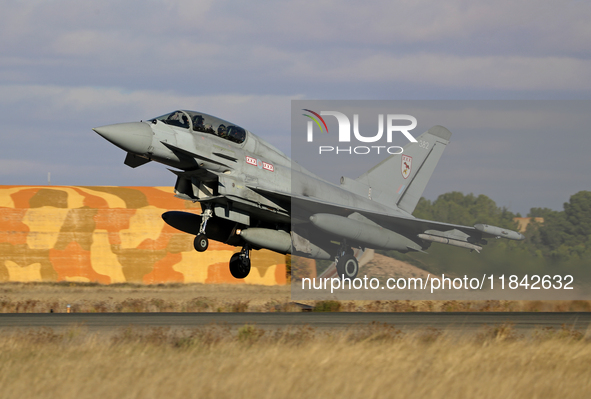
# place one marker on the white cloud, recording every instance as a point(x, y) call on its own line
point(460, 72)
point(55, 101)
point(217, 46)
point(31, 112)
point(67, 66)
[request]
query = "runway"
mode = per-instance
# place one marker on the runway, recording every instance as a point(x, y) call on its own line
point(458, 321)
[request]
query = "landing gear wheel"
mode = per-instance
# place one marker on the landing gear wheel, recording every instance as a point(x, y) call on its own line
point(347, 267)
point(201, 243)
point(239, 265)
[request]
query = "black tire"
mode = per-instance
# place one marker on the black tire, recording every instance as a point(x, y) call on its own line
point(201, 243)
point(347, 267)
point(239, 266)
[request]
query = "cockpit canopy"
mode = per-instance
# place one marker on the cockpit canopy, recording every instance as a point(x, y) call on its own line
point(200, 122)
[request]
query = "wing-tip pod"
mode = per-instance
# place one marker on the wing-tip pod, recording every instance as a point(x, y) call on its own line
point(499, 232)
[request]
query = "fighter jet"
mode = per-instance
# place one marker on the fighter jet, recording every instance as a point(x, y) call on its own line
point(253, 196)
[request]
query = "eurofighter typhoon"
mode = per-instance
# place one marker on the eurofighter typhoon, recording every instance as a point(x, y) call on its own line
point(253, 196)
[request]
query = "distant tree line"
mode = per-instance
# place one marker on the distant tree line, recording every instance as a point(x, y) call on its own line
point(565, 234)
point(563, 240)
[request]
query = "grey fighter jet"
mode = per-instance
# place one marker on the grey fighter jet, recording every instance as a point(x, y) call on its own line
point(253, 196)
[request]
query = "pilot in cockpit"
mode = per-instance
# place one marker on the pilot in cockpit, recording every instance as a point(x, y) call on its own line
point(185, 122)
point(200, 126)
point(178, 119)
point(198, 123)
point(222, 131)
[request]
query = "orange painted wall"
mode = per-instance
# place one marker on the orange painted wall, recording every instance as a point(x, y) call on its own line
point(111, 235)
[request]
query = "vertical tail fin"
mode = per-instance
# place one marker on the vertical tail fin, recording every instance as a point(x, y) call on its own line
point(401, 179)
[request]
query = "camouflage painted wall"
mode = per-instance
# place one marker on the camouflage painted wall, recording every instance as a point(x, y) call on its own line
point(111, 235)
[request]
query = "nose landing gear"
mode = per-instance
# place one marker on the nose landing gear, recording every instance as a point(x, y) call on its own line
point(201, 242)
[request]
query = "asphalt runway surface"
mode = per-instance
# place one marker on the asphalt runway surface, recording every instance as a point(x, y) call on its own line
point(457, 321)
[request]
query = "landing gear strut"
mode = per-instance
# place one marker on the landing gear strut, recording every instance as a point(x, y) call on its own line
point(240, 263)
point(201, 242)
point(347, 265)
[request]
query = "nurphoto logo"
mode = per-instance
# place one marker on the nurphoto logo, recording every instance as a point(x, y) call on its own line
point(344, 135)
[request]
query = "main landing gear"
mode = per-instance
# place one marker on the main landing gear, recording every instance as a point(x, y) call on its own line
point(347, 265)
point(240, 263)
point(201, 242)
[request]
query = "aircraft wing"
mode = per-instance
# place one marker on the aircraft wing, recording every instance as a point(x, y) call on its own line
point(413, 228)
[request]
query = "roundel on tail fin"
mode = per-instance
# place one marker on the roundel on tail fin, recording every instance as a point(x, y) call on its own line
point(406, 166)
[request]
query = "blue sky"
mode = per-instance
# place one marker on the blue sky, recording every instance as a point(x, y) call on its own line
point(67, 66)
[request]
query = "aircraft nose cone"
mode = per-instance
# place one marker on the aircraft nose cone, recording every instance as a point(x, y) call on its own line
point(135, 137)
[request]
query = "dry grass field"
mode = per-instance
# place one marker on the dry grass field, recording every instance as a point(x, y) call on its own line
point(374, 361)
point(377, 361)
point(90, 297)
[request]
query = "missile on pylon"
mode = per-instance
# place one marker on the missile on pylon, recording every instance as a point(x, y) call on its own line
point(449, 241)
point(499, 232)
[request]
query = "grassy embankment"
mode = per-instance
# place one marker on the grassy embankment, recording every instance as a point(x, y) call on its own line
point(376, 361)
point(89, 297)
